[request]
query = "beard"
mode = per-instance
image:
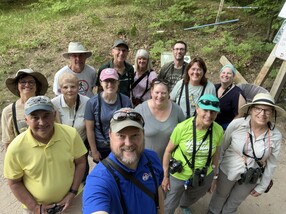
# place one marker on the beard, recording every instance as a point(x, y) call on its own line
point(129, 155)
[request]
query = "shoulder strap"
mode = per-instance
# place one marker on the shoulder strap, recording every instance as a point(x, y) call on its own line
point(147, 84)
point(138, 80)
point(181, 92)
point(105, 163)
point(166, 70)
point(130, 177)
point(14, 118)
point(120, 99)
point(99, 116)
point(187, 101)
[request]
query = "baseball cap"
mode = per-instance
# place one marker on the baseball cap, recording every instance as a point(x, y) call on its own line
point(108, 73)
point(209, 102)
point(120, 42)
point(126, 117)
point(38, 103)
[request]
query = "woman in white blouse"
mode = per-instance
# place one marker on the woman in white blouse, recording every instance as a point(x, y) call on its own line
point(249, 155)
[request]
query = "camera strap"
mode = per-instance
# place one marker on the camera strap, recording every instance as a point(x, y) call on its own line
point(14, 118)
point(195, 150)
point(257, 160)
point(209, 132)
point(123, 205)
point(130, 177)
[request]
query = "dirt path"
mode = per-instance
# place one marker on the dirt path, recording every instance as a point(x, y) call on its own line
point(273, 202)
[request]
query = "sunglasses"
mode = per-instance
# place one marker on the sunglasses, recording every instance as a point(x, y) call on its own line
point(208, 102)
point(158, 81)
point(122, 115)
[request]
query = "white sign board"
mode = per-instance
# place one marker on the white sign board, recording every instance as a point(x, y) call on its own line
point(279, 33)
point(282, 13)
point(168, 57)
point(280, 51)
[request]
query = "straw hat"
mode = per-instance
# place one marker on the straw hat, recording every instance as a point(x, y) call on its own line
point(263, 99)
point(11, 82)
point(76, 48)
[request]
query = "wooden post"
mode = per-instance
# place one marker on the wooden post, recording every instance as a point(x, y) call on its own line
point(265, 70)
point(219, 11)
point(238, 78)
point(279, 81)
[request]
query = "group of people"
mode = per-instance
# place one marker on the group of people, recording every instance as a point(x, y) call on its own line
point(159, 141)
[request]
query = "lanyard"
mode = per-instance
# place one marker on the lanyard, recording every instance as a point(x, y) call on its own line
point(76, 108)
point(257, 160)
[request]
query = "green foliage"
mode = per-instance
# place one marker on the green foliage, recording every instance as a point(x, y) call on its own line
point(178, 13)
point(273, 73)
point(58, 6)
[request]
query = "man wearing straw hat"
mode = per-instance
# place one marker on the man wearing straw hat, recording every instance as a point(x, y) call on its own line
point(85, 73)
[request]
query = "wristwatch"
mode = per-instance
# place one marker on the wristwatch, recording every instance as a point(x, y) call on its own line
point(73, 191)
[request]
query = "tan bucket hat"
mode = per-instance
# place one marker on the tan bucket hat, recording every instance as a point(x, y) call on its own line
point(263, 99)
point(77, 48)
point(11, 82)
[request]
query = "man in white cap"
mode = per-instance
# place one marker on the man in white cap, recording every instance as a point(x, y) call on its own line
point(45, 164)
point(108, 190)
point(85, 73)
point(125, 70)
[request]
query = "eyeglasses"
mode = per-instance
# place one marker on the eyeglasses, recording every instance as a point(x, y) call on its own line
point(30, 83)
point(259, 110)
point(179, 49)
point(123, 50)
point(122, 115)
point(208, 102)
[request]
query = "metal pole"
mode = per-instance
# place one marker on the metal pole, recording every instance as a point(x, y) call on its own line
point(245, 7)
point(207, 25)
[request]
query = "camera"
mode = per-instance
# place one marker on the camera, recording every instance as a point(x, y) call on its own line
point(175, 166)
point(251, 176)
point(55, 209)
point(198, 178)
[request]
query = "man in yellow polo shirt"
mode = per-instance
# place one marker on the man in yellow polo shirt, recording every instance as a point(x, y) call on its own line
point(45, 165)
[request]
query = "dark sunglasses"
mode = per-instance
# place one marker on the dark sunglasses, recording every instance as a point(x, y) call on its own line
point(208, 102)
point(122, 115)
point(158, 81)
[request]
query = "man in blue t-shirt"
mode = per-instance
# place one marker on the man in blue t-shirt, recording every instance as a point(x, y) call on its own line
point(107, 190)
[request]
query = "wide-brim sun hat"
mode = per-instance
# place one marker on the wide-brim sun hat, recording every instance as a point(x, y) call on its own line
point(76, 48)
point(209, 102)
point(263, 99)
point(11, 82)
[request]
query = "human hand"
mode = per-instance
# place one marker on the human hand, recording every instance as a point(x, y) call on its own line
point(67, 201)
point(213, 186)
point(96, 156)
point(254, 193)
point(166, 184)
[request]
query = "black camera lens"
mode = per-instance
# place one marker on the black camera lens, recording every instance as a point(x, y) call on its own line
point(175, 166)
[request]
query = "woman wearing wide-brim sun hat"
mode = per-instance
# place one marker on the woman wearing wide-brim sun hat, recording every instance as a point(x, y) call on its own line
point(25, 84)
point(249, 154)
